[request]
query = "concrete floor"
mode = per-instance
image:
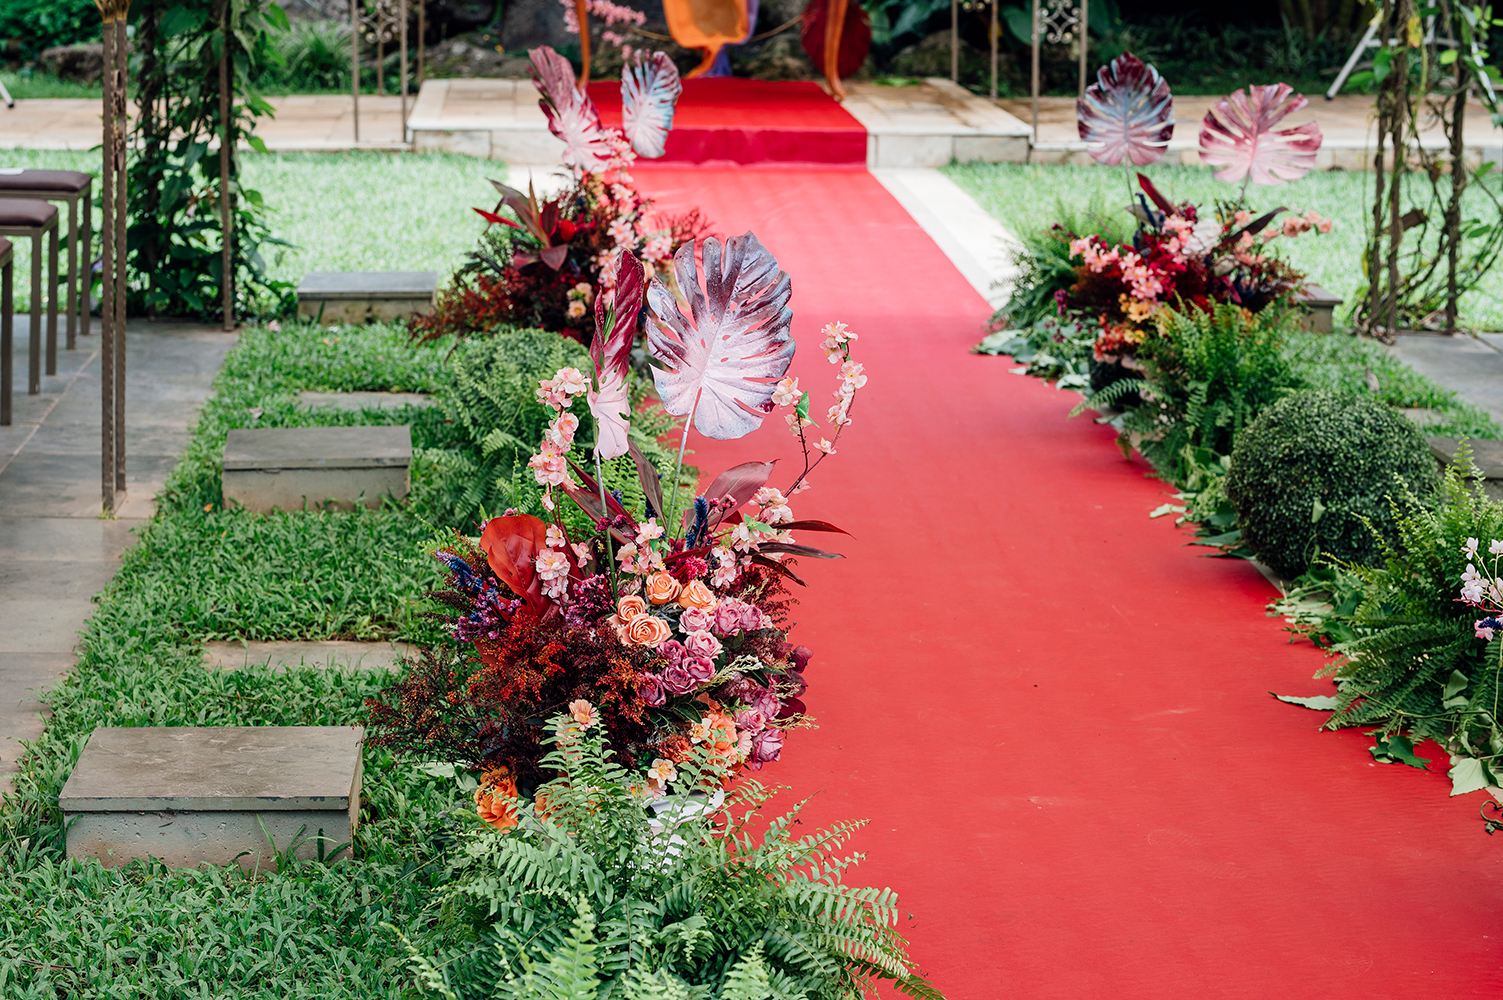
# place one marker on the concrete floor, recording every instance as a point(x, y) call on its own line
point(56, 550)
point(1471, 366)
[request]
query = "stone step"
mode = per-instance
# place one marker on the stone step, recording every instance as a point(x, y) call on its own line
point(333, 655)
point(364, 400)
point(331, 297)
point(1487, 456)
point(287, 468)
point(213, 795)
point(1321, 306)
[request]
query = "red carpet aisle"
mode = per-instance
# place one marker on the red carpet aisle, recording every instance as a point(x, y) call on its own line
point(1055, 714)
point(727, 120)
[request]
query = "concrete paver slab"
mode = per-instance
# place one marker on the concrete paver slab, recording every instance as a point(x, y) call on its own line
point(319, 655)
point(1466, 365)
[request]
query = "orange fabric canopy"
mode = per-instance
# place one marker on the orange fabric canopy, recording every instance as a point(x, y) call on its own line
point(706, 25)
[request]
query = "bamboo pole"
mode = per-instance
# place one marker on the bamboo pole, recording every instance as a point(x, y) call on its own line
point(582, 15)
point(422, 39)
point(1400, 76)
point(1085, 41)
point(122, 206)
point(1375, 249)
point(226, 222)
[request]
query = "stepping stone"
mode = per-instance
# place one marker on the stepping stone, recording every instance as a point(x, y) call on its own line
point(287, 467)
point(1322, 308)
point(364, 400)
point(1486, 455)
point(195, 796)
point(1422, 416)
point(332, 297)
point(318, 655)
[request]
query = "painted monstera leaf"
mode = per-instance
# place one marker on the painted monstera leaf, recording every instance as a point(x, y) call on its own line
point(572, 116)
point(721, 361)
point(1127, 114)
point(1239, 134)
point(650, 88)
point(610, 351)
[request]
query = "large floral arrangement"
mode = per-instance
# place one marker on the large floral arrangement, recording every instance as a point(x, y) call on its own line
point(1183, 258)
point(549, 258)
point(665, 622)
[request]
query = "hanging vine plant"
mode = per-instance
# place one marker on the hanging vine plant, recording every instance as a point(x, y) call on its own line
point(176, 230)
point(1435, 231)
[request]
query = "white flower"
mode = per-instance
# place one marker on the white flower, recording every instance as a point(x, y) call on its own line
point(786, 393)
point(1495, 547)
point(553, 538)
point(1470, 548)
point(552, 564)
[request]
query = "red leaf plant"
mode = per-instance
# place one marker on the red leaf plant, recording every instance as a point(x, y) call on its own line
point(671, 633)
point(1239, 135)
point(1127, 114)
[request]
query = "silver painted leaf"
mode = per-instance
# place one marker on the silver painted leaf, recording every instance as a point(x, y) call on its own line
point(572, 116)
point(723, 359)
point(1127, 114)
point(1238, 135)
point(650, 88)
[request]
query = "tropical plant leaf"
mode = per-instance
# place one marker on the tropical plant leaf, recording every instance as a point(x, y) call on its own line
point(511, 545)
point(572, 116)
point(612, 412)
point(740, 482)
point(798, 550)
point(650, 87)
point(647, 475)
point(1239, 135)
point(811, 526)
point(778, 567)
point(616, 318)
point(721, 361)
point(1127, 114)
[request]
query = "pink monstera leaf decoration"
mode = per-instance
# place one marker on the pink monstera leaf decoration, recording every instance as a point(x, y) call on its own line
point(572, 116)
point(722, 360)
point(650, 87)
point(610, 350)
point(1238, 134)
point(1127, 114)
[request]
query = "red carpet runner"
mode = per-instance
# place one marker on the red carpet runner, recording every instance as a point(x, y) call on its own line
point(1055, 714)
point(728, 120)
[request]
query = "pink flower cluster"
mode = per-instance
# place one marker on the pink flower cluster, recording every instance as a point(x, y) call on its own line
point(1482, 591)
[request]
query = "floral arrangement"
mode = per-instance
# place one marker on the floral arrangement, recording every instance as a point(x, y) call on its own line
point(665, 623)
point(550, 258)
point(1180, 258)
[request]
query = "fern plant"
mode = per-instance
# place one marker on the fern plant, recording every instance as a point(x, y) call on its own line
point(607, 893)
point(1415, 667)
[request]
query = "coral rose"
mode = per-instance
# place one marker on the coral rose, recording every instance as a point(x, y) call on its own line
point(696, 595)
point(647, 630)
point(629, 607)
point(495, 798)
point(661, 588)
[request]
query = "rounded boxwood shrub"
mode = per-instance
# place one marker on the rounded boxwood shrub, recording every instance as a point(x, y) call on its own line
point(1313, 471)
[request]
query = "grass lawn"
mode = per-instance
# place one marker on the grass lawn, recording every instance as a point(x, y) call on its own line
point(200, 572)
point(342, 211)
point(1030, 197)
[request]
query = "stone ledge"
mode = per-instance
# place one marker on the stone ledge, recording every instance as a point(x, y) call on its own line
point(287, 468)
point(334, 655)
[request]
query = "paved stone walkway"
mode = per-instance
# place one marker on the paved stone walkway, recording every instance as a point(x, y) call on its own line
point(56, 551)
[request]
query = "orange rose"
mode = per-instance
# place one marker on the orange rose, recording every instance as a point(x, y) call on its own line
point(661, 588)
point(647, 630)
point(696, 595)
point(629, 607)
point(494, 799)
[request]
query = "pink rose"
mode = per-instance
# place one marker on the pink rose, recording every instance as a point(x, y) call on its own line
point(696, 620)
point(728, 617)
point(700, 668)
point(766, 745)
point(650, 689)
point(677, 680)
point(738, 687)
point(768, 704)
point(673, 651)
point(750, 720)
point(702, 644)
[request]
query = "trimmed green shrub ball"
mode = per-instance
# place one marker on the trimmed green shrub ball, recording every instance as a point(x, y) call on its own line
point(1310, 468)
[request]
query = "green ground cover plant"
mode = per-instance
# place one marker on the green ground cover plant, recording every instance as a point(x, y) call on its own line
point(1029, 198)
point(201, 572)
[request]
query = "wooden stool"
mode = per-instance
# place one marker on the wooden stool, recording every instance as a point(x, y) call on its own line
point(35, 219)
point(7, 306)
point(73, 187)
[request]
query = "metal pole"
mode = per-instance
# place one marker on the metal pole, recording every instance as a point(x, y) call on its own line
point(226, 223)
point(122, 206)
point(994, 49)
point(1035, 33)
point(355, 64)
point(954, 41)
point(402, 13)
point(107, 283)
point(422, 38)
point(1085, 40)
